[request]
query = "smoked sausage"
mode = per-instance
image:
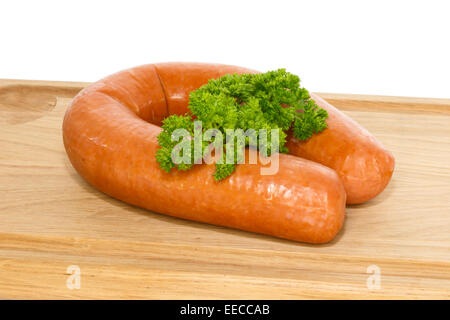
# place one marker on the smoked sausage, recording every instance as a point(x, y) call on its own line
point(361, 161)
point(110, 134)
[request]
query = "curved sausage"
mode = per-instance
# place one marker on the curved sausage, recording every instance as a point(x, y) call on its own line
point(110, 132)
point(360, 160)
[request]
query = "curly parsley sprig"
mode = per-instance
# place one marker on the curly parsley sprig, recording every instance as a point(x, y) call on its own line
point(271, 100)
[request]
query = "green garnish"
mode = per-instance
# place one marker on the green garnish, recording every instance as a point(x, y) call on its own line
point(271, 100)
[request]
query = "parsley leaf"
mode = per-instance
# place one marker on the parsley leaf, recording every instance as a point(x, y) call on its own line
point(271, 100)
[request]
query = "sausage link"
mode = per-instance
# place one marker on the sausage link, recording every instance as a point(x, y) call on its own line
point(110, 135)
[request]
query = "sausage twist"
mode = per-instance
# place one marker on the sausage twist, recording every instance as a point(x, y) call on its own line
point(110, 135)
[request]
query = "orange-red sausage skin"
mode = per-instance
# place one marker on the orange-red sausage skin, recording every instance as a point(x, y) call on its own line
point(110, 133)
point(361, 161)
point(179, 79)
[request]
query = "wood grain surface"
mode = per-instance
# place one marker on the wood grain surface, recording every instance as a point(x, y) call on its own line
point(51, 219)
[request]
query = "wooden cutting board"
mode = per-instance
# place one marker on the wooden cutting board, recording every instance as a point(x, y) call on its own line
point(56, 230)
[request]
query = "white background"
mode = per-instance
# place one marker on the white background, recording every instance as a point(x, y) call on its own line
point(379, 47)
